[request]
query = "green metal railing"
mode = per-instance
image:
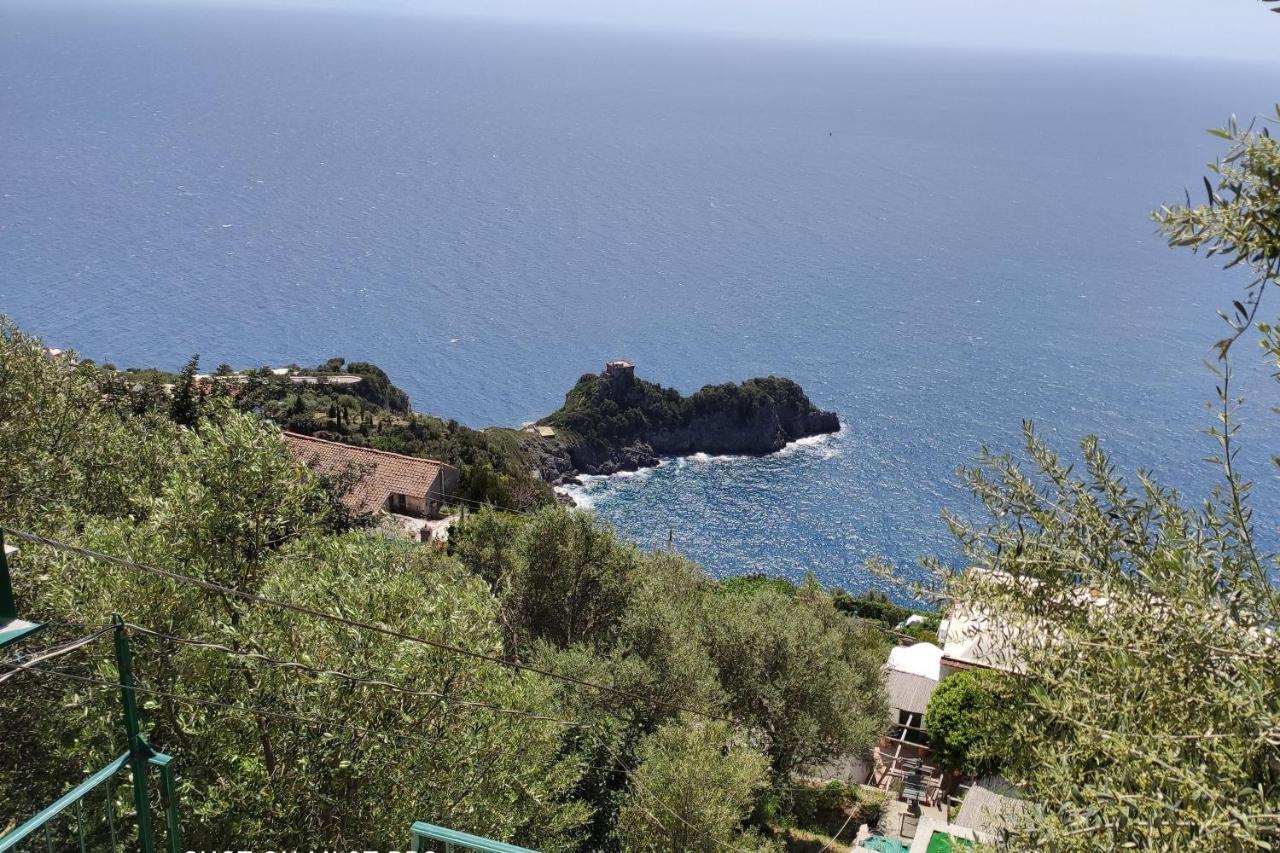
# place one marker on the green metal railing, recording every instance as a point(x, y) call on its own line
point(50, 829)
point(12, 629)
point(43, 823)
point(453, 841)
point(69, 824)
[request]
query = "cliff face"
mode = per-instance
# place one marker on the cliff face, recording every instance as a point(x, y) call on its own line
point(614, 422)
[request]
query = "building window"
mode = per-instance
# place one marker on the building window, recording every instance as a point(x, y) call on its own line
point(910, 728)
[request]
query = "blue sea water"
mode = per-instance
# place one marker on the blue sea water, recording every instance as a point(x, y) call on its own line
point(935, 244)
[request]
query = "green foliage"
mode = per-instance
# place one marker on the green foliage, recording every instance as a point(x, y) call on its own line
point(231, 497)
point(486, 542)
point(376, 387)
point(491, 463)
point(692, 790)
point(662, 636)
point(922, 633)
point(1142, 631)
point(89, 457)
point(227, 504)
point(274, 779)
point(597, 410)
point(746, 398)
point(781, 658)
point(1240, 219)
point(785, 661)
point(754, 584)
point(828, 808)
point(799, 671)
point(572, 583)
point(64, 449)
point(371, 413)
point(873, 605)
point(185, 407)
point(966, 722)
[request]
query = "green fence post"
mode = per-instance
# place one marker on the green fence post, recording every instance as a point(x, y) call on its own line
point(139, 750)
point(168, 787)
point(173, 833)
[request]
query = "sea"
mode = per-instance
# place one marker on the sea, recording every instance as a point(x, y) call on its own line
point(937, 244)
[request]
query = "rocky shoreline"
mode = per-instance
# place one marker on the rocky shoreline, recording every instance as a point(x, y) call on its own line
point(613, 422)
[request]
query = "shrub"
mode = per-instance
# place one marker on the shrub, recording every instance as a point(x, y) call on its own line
point(964, 721)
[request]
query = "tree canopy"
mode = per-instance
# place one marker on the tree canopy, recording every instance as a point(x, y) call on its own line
point(1142, 624)
point(287, 728)
point(965, 722)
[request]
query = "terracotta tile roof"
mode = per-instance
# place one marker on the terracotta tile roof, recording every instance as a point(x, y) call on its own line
point(382, 474)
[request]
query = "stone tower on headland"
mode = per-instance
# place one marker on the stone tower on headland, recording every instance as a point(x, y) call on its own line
point(618, 377)
point(620, 370)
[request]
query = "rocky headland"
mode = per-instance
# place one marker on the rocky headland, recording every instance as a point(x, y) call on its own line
point(613, 422)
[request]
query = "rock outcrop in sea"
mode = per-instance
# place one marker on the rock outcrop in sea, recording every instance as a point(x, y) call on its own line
point(613, 422)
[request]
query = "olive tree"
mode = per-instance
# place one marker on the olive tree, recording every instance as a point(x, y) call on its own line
point(1142, 625)
point(1146, 696)
point(571, 582)
point(269, 752)
point(692, 790)
point(800, 671)
point(63, 449)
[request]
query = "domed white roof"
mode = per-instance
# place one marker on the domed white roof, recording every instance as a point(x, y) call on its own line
point(920, 659)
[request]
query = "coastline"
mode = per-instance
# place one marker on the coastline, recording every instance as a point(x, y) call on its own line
point(614, 421)
point(584, 494)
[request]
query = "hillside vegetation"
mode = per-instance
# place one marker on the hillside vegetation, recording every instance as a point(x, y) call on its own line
point(472, 744)
point(575, 693)
point(1145, 711)
point(596, 410)
point(493, 464)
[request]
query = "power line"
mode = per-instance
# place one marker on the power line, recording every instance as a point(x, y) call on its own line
point(357, 624)
point(836, 837)
point(228, 706)
point(315, 721)
point(447, 499)
point(353, 679)
point(263, 712)
point(23, 663)
point(361, 625)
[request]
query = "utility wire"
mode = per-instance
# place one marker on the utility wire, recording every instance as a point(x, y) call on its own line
point(448, 499)
point(344, 676)
point(228, 706)
point(835, 837)
point(263, 712)
point(357, 624)
point(23, 663)
point(360, 625)
point(311, 721)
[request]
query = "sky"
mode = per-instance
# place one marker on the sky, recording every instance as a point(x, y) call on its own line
point(1172, 28)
